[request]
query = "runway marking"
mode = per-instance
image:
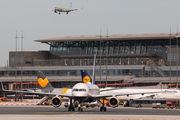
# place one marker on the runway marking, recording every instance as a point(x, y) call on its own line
point(124, 119)
point(55, 115)
point(49, 112)
point(64, 113)
point(145, 117)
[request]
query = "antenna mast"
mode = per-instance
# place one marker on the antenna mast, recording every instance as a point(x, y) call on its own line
point(16, 61)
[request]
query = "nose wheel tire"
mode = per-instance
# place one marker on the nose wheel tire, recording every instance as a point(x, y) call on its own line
point(71, 109)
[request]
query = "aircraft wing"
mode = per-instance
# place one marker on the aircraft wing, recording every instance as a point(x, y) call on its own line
point(36, 93)
point(122, 94)
point(102, 90)
point(74, 9)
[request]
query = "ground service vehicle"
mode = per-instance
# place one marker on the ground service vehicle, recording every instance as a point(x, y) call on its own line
point(149, 102)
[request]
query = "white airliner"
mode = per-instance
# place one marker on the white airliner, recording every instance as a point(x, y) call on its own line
point(81, 92)
point(168, 94)
point(66, 10)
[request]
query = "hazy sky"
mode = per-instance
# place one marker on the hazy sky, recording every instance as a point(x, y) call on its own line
point(118, 16)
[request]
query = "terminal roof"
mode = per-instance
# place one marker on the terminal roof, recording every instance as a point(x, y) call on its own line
point(110, 37)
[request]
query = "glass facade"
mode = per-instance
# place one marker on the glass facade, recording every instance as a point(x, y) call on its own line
point(114, 47)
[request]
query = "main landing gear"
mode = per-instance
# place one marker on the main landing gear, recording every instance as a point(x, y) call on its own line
point(71, 107)
point(102, 108)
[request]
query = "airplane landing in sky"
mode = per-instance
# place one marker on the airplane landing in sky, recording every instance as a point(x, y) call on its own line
point(62, 9)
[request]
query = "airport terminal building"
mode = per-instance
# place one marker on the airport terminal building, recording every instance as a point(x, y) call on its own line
point(146, 59)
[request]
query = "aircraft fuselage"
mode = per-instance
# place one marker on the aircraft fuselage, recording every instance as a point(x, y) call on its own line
point(81, 92)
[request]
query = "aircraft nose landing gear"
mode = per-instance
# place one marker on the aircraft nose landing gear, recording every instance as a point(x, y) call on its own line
point(71, 107)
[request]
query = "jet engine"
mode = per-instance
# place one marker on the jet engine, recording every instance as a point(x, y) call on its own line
point(114, 102)
point(56, 101)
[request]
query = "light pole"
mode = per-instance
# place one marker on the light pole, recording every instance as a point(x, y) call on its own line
point(177, 60)
point(16, 61)
point(170, 56)
point(21, 62)
point(100, 56)
point(106, 56)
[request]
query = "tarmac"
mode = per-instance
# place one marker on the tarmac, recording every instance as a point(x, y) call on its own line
point(61, 113)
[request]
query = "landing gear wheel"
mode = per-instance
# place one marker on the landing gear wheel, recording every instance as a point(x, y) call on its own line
point(69, 109)
point(105, 109)
point(81, 110)
point(72, 108)
point(101, 108)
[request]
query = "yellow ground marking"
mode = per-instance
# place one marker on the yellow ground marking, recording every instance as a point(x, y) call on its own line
point(64, 91)
point(42, 82)
point(55, 115)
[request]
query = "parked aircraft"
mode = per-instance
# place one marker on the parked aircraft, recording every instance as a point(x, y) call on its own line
point(168, 94)
point(62, 9)
point(81, 92)
point(46, 86)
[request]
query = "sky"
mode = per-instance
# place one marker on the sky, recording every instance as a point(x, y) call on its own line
point(38, 21)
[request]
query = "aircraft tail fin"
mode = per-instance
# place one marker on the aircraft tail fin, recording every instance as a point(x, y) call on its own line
point(85, 77)
point(70, 5)
point(94, 68)
point(44, 83)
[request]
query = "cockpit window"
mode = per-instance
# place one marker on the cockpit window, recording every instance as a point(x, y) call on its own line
point(84, 90)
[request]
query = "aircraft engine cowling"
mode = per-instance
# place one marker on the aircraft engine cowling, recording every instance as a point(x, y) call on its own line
point(114, 102)
point(56, 101)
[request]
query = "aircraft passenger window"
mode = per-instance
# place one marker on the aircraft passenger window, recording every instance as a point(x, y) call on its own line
point(80, 90)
